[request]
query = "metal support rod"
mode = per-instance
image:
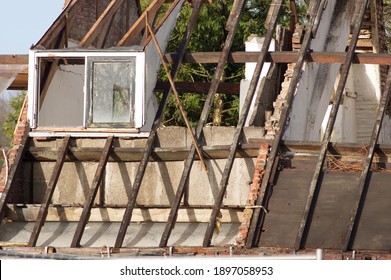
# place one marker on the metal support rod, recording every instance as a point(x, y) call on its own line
point(233, 22)
point(275, 8)
point(362, 187)
point(258, 214)
point(314, 186)
point(176, 94)
point(43, 211)
point(156, 124)
point(93, 192)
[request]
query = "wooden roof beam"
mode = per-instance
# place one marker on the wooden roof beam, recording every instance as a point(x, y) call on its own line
point(58, 26)
point(285, 57)
point(235, 57)
point(100, 24)
point(139, 25)
point(14, 59)
point(243, 57)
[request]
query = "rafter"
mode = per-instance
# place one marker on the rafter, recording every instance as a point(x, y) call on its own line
point(58, 26)
point(139, 25)
point(100, 24)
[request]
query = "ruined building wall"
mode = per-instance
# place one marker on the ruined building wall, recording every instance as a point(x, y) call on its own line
point(89, 12)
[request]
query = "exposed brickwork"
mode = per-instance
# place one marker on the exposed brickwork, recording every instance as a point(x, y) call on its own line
point(366, 44)
point(89, 12)
point(260, 164)
point(17, 194)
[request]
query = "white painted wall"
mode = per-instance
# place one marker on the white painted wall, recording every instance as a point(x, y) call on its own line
point(312, 98)
point(152, 66)
point(63, 104)
point(254, 44)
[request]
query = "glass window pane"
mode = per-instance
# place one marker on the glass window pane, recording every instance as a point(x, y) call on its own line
point(113, 92)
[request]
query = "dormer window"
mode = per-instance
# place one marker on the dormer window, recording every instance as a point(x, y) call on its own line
point(87, 89)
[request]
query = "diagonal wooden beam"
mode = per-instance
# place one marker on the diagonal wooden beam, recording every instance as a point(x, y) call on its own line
point(314, 186)
point(14, 168)
point(59, 25)
point(50, 69)
point(274, 11)
point(93, 191)
point(139, 25)
point(256, 221)
point(99, 25)
point(233, 22)
point(146, 40)
point(102, 38)
point(362, 184)
point(149, 147)
point(43, 211)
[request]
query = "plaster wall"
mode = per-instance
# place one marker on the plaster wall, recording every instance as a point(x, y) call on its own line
point(152, 66)
point(254, 44)
point(312, 98)
point(63, 104)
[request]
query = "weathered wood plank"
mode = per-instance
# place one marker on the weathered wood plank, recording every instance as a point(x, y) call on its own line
point(99, 25)
point(58, 26)
point(198, 87)
point(13, 171)
point(256, 222)
point(233, 21)
point(274, 11)
point(343, 76)
point(93, 191)
point(14, 59)
point(290, 149)
point(139, 25)
point(362, 186)
point(286, 57)
point(156, 125)
point(49, 192)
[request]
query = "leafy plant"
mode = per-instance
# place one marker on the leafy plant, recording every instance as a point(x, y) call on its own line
point(209, 36)
point(16, 103)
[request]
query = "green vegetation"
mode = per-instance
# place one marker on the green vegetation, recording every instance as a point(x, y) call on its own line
point(11, 119)
point(209, 35)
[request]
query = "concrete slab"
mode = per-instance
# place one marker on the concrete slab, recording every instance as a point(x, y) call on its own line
point(60, 234)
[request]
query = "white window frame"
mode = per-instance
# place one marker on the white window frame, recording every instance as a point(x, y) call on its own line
point(33, 85)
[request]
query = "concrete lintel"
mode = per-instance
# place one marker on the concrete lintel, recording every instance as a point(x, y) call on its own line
point(72, 214)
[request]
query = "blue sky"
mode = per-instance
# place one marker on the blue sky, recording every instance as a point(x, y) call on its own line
point(23, 22)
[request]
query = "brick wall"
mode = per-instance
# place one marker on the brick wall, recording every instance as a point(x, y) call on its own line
point(17, 193)
point(89, 12)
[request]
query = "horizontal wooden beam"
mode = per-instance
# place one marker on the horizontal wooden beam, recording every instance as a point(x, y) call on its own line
point(198, 87)
point(243, 57)
point(28, 213)
point(235, 57)
point(285, 57)
point(14, 59)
